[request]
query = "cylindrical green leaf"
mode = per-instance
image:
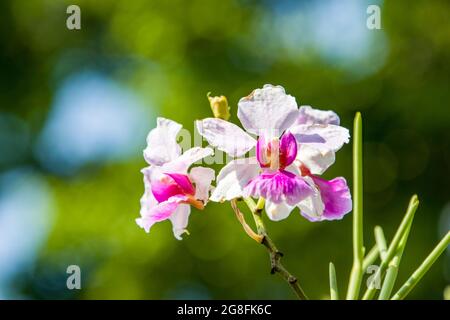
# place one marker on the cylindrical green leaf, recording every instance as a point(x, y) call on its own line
point(423, 268)
point(334, 294)
point(358, 246)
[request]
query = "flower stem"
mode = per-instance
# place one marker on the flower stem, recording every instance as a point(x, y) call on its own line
point(423, 268)
point(274, 254)
point(392, 271)
point(334, 294)
point(358, 246)
point(404, 225)
point(252, 234)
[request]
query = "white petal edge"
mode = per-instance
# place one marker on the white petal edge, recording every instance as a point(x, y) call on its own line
point(147, 200)
point(321, 136)
point(268, 111)
point(180, 219)
point(309, 115)
point(226, 136)
point(162, 145)
point(233, 178)
point(183, 162)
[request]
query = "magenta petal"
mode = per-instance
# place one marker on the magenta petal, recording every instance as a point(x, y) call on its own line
point(336, 197)
point(183, 182)
point(170, 185)
point(279, 186)
point(164, 188)
point(288, 149)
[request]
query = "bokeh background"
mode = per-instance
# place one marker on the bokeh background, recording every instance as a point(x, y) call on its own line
point(75, 108)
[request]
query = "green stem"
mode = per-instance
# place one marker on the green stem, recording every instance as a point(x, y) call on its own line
point(423, 268)
point(334, 294)
point(371, 257)
point(250, 204)
point(358, 246)
point(381, 241)
point(407, 220)
point(274, 254)
point(392, 271)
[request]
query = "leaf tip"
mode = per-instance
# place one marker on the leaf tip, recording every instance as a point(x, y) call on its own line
point(415, 200)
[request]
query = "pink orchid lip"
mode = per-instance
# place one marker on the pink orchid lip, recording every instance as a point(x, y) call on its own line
point(276, 154)
point(170, 185)
point(279, 186)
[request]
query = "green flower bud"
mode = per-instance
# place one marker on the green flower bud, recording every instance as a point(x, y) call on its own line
point(219, 107)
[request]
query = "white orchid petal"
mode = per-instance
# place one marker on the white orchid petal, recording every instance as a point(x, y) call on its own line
point(226, 136)
point(321, 136)
point(162, 211)
point(309, 115)
point(315, 159)
point(267, 111)
point(202, 177)
point(312, 207)
point(183, 162)
point(179, 219)
point(278, 211)
point(162, 144)
point(148, 201)
point(233, 178)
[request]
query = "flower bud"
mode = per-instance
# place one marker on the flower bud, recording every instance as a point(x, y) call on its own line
point(219, 107)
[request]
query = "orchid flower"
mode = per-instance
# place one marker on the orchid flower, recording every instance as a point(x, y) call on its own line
point(287, 138)
point(293, 148)
point(169, 189)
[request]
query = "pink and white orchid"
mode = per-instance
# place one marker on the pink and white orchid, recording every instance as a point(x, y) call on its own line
point(169, 189)
point(291, 143)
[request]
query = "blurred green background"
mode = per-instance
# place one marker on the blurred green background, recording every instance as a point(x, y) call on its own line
point(76, 105)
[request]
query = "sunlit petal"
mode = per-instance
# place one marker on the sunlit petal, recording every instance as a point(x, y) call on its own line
point(233, 178)
point(162, 144)
point(226, 136)
point(267, 111)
